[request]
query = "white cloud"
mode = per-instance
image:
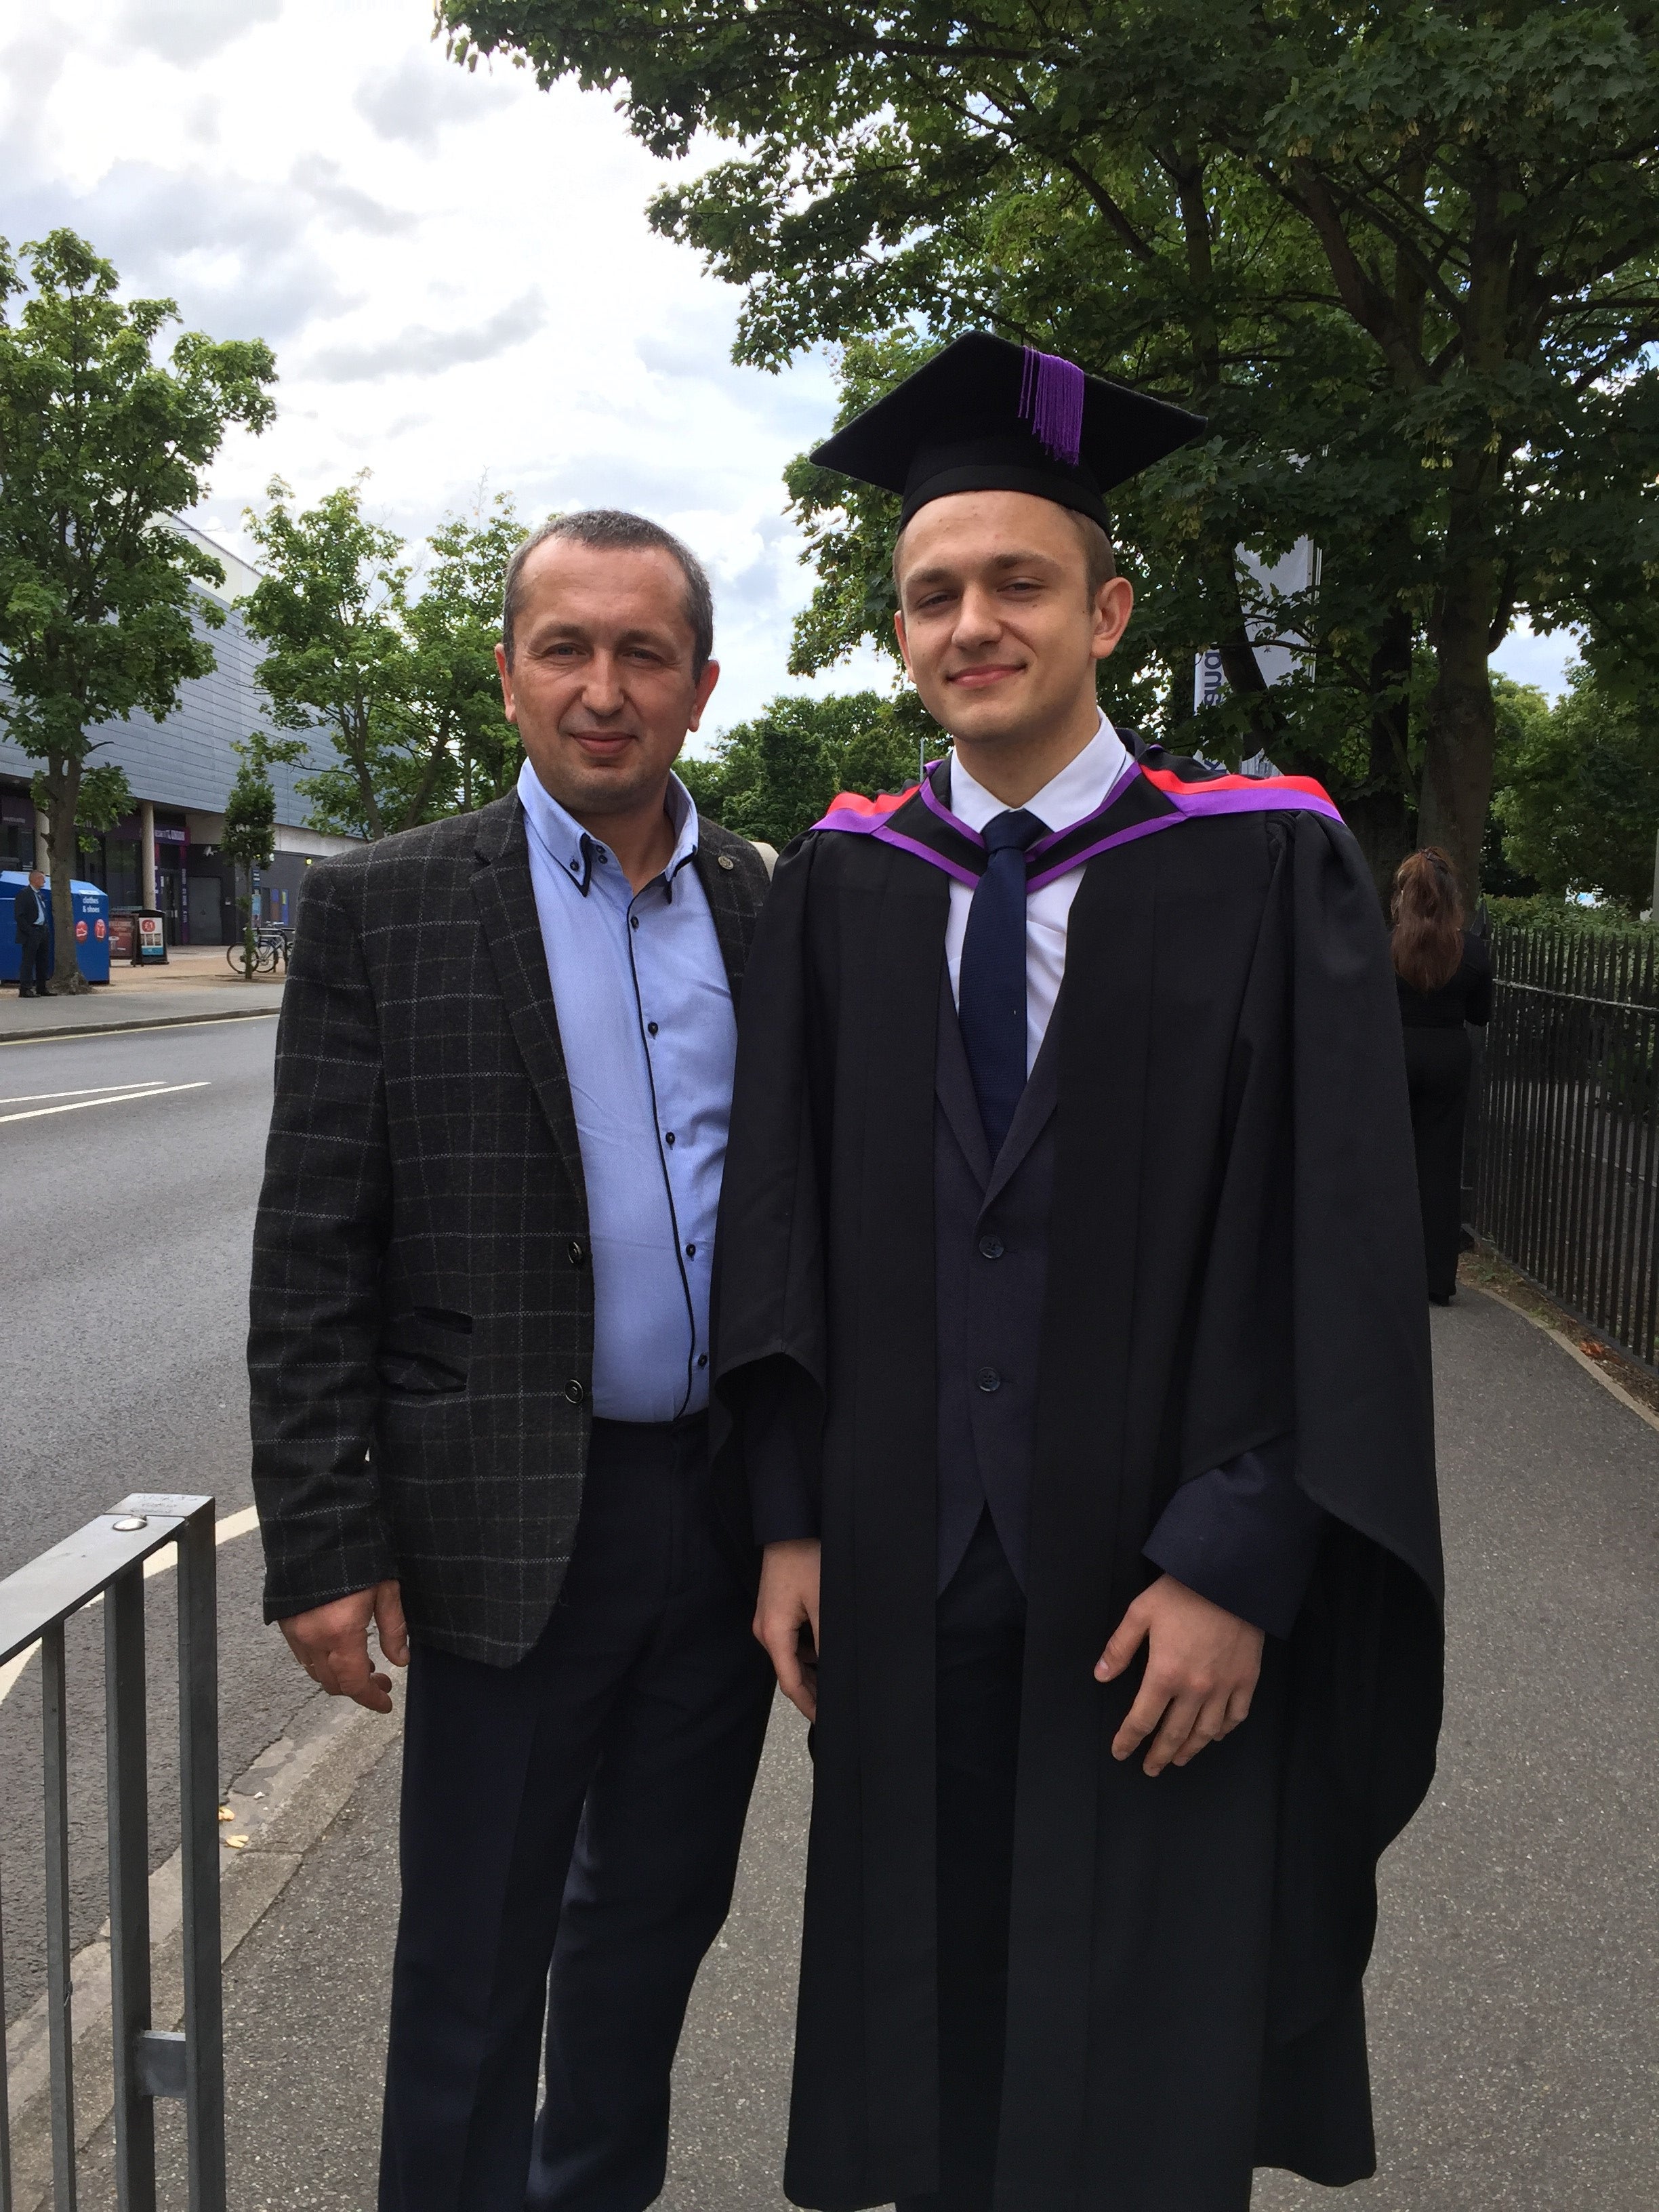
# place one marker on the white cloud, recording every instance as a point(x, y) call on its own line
point(418, 351)
point(186, 32)
point(1527, 656)
point(455, 269)
point(323, 182)
point(412, 101)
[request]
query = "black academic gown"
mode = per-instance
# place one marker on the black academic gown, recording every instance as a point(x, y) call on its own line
point(1233, 1254)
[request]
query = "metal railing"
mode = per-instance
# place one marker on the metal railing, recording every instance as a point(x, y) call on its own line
point(106, 1559)
point(1567, 1179)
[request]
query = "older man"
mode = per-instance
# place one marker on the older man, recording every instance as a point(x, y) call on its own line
point(480, 1369)
point(31, 918)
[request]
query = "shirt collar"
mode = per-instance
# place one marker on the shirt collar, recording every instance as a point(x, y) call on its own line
point(574, 850)
point(1077, 791)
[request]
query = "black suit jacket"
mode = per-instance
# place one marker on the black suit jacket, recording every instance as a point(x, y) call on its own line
point(423, 1304)
point(31, 913)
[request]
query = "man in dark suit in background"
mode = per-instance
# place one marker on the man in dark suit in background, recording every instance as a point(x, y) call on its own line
point(480, 1378)
point(31, 918)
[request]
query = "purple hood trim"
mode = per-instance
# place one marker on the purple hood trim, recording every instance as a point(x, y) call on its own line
point(1189, 802)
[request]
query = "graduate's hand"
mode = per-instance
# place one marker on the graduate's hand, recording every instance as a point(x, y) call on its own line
point(1202, 1664)
point(330, 1643)
point(787, 1619)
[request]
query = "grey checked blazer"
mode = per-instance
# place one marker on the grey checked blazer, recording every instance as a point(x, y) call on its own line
point(422, 1332)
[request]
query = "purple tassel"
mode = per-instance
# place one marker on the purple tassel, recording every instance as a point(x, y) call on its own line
point(1051, 401)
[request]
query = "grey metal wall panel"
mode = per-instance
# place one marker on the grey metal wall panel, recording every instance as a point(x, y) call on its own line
point(186, 761)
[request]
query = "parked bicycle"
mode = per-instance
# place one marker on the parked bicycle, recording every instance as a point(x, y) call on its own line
point(270, 951)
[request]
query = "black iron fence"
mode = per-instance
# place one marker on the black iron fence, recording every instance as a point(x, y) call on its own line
point(1566, 1136)
point(104, 1561)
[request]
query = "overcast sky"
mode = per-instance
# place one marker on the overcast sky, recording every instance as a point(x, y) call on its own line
point(455, 271)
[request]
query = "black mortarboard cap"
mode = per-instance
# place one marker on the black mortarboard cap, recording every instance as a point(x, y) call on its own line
point(986, 415)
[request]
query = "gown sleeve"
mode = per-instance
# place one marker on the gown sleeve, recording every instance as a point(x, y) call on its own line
point(1367, 1654)
point(1245, 1535)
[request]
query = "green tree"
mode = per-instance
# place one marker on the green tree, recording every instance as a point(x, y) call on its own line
point(773, 777)
point(106, 795)
point(1580, 810)
point(329, 609)
point(101, 442)
point(1521, 714)
point(395, 668)
point(249, 837)
point(1402, 255)
point(454, 625)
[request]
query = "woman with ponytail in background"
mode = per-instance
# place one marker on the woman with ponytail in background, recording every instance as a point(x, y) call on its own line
point(1444, 972)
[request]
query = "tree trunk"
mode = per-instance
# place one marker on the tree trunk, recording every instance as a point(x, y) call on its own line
point(62, 795)
point(1380, 814)
point(1462, 731)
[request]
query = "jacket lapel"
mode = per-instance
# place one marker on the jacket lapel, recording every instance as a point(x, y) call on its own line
point(1033, 1113)
point(734, 899)
point(954, 1084)
point(512, 928)
point(953, 1081)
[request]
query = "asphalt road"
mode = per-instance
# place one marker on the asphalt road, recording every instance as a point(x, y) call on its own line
point(126, 1238)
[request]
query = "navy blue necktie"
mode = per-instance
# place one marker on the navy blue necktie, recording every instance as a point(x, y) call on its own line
point(991, 986)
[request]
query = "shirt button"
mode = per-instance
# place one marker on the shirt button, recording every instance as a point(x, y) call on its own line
point(988, 1379)
point(574, 1392)
point(669, 1139)
point(991, 1248)
point(577, 1252)
point(690, 1251)
point(651, 1029)
point(703, 1359)
point(633, 921)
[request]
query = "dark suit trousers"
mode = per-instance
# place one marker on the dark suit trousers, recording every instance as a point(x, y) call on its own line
point(580, 1812)
point(33, 959)
point(980, 1654)
point(1438, 1065)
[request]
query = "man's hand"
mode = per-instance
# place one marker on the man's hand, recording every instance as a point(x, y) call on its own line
point(1201, 1670)
point(787, 1619)
point(330, 1643)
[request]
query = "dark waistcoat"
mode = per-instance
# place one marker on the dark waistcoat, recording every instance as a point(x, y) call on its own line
point(991, 1225)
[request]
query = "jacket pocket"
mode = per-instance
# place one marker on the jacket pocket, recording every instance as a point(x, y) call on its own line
point(426, 1352)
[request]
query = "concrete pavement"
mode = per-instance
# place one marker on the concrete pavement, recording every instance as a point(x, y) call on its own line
point(1515, 2031)
point(196, 985)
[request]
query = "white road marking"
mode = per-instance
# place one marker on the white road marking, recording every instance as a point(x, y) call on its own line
point(87, 1090)
point(224, 1532)
point(126, 1098)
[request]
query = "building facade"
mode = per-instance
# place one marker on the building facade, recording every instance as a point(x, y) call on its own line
point(166, 853)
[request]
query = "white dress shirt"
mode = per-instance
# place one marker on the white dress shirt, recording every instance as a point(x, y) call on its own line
point(1080, 787)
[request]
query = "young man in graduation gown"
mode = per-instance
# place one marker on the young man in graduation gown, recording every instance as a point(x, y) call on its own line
point(1071, 1330)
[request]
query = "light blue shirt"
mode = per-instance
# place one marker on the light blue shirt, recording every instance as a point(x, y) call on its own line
point(650, 1040)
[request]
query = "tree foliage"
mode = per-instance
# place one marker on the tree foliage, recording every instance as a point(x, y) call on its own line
point(248, 839)
point(1402, 255)
point(395, 664)
point(105, 796)
point(772, 778)
point(101, 615)
point(1580, 807)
